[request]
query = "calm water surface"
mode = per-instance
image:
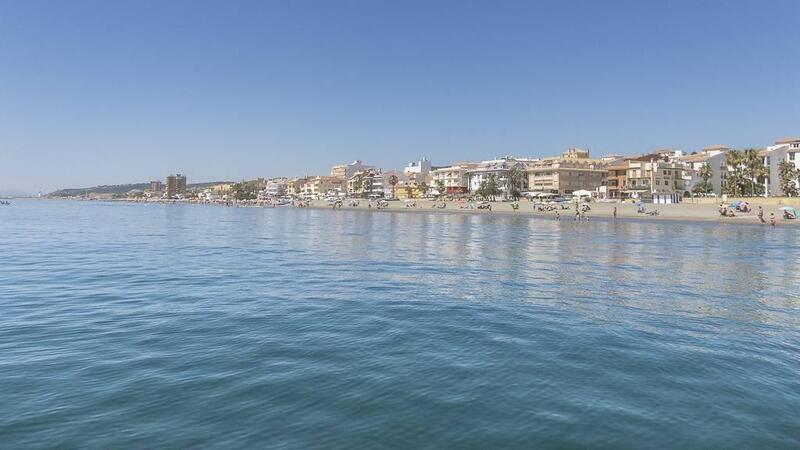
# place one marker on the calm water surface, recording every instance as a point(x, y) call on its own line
point(169, 326)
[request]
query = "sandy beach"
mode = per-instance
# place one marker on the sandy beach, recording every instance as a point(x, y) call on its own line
point(706, 212)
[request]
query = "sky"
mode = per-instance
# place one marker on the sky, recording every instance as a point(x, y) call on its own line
point(112, 92)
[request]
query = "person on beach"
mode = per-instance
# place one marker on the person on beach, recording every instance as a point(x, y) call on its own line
point(558, 216)
point(761, 214)
point(615, 213)
point(772, 219)
point(577, 215)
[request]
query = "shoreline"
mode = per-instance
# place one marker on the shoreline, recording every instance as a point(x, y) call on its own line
point(679, 212)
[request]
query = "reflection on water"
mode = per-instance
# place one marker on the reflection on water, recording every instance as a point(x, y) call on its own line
point(180, 326)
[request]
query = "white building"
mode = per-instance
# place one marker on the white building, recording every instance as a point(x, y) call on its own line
point(784, 150)
point(346, 171)
point(417, 170)
point(499, 168)
point(455, 178)
point(276, 187)
point(715, 157)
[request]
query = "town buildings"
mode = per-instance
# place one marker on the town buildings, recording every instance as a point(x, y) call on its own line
point(783, 150)
point(651, 178)
point(156, 186)
point(716, 158)
point(276, 187)
point(346, 171)
point(319, 186)
point(455, 178)
point(616, 182)
point(369, 183)
point(565, 174)
point(499, 169)
point(176, 185)
point(418, 170)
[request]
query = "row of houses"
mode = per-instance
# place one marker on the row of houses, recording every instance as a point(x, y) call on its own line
point(663, 176)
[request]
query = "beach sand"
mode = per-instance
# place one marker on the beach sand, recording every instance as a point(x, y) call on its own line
point(707, 212)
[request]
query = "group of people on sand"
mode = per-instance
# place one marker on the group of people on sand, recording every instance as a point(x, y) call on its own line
point(730, 211)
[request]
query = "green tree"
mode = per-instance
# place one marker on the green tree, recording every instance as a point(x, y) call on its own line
point(754, 170)
point(367, 185)
point(736, 179)
point(409, 191)
point(440, 187)
point(490, 188)
point(706, 173)
point(393, 182)
point(244, 191)
point(423, 188)
point(704, 187)
point(788, 174)
point(515, 181)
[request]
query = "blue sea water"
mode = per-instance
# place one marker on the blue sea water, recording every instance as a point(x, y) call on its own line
point(175, 326)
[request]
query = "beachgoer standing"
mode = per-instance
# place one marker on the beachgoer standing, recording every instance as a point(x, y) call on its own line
point(761, 214)
point(615, 213)
point(772, 219)
point(558, 216)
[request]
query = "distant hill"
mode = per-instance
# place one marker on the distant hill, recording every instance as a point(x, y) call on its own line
point(118, 189)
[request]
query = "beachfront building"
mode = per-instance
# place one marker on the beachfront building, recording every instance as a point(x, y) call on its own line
point(370, 183)
point(410, 189)
point(418, 170)
point(176, 185)
point(156, 186)
point(574, 170)
point(615, 184)
point(455, 178)
point(317, 187)
point(783, 150)
point(295, 186)
point(651, 178)
point(499, 169)
point(346, 171)
point(276, 187)
point(715, 157)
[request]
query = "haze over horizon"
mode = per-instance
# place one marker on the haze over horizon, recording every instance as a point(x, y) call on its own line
point(96, 92)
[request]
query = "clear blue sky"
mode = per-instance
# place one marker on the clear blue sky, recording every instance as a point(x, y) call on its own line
point(108, 92)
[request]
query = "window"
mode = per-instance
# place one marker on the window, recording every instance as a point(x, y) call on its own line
point(791, 156)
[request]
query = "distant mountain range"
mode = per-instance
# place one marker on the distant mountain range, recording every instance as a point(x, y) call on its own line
point(118, 189)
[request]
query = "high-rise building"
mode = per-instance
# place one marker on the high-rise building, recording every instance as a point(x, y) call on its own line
point(176, 185)
point(156, 186)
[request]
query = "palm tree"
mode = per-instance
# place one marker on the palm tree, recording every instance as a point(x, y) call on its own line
point(706, 173)
point(754, 168)
point(515, 180)
point(393, 182)
point(735, 179)
point(367, 187)
point(788, 173)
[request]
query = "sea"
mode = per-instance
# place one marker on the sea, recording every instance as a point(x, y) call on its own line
point(128, 325)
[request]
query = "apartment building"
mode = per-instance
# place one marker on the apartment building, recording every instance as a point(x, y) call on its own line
point(783, 150)
point(572, 171)
point(176, 185)
point(455, 178)
point(651, 178)
point(499, 168)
